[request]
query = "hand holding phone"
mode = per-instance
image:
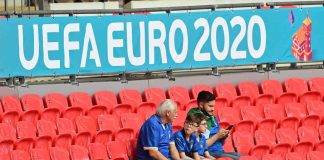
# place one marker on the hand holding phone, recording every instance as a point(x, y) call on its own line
point(230, 127)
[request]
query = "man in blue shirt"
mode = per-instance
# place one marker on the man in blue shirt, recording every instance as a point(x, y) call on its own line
point(214, 134)
point(155, 139)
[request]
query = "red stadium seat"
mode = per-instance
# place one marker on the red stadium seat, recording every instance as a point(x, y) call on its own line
point(108, 126)
point(116, 149)
point(268, 125)
point(80, 99)
point(251, 89)
point(12, 109)
point(97, 151)
point(26, 134)
point(130, 96)
point(228, 92)
point(181, 96)
point(243, 126)
point(315, 155)
point(109, 100)
point(281, 149)
point(316, 108)
point(272, 157)
point(79, 153)
point(19, 155)
point(134, 98)
point(319, 146)
point(316, 84)
point(84, 101)
point(33, 106)
point(243, 141)
point(252, 113)
point(321, 131)
point(7, 138)
point(66, 132)
point(299, 111)
point(125, 134)
point(86, 129)
point(274, 111)
point(249, 158)
point(198, 88)
point(39, 154)
point(300, 88)
point(308, 134)
point(277, 112)
point(131, 120)
point(55, 104)
point(227, 119)
point(155, 95)
point(303, 148)
point(260, 150)
point(46, 134)
point(264, 137)
point(286, 135)
point(274, 87)
point(295, 156)
point(57, 153)
point(105, 98)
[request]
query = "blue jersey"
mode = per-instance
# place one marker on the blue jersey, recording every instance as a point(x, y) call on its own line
point(214, 129)
point(188, 147)
point(202, 142)
point(154, 135)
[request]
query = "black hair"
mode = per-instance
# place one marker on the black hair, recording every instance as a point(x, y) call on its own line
point(205, 96)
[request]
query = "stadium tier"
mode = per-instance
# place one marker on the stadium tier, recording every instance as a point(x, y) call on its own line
point(288, 123)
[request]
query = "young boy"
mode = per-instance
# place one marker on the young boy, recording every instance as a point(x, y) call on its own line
point(186, 140)
point(203, 147)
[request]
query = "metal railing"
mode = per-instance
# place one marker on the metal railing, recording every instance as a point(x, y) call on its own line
point(38, 7)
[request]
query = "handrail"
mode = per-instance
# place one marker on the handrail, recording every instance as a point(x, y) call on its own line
point(219, 4)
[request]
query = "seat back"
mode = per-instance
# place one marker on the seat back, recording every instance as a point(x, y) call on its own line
point(272, 87)
point(55, 100)
point(80, 99)
point(155, 95)
point(32, 102)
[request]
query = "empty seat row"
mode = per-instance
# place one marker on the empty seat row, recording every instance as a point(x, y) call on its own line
point(64, 132)
point(282, 141)
point(274, 115)
point(94, 151)
point(311, 155)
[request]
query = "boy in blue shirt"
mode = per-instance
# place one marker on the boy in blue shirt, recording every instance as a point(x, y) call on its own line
point(201, 139)
point(186, 140)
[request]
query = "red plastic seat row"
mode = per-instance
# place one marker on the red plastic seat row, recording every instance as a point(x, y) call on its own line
point(95, 151)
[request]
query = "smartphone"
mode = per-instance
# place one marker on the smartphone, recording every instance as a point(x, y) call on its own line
point(230, 127)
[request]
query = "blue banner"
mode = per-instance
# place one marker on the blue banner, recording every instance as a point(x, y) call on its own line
point(46, 46)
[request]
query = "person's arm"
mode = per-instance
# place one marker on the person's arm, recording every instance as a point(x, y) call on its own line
point(196, 156)
point(207, 155)
point(221, 134)
point(174, 152)
point(155, 154)
point(183, 156)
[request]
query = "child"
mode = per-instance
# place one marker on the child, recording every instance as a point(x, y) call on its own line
point(186, 140)
point(203, 149)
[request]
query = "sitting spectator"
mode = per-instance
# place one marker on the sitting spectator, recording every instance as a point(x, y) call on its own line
point(203, 149)
point(186, 140)
point(214, 134)
point(155, 139)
